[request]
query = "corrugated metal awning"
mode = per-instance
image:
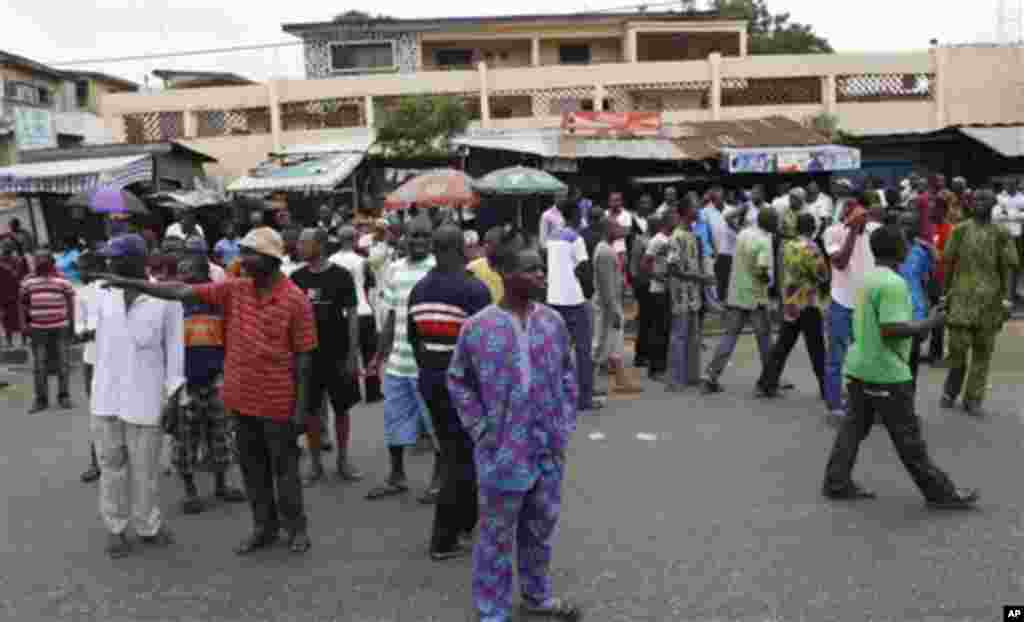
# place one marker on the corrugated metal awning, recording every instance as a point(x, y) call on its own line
point(74, 176)
point(1008, 141)
point(316, 175)
point(684, 141)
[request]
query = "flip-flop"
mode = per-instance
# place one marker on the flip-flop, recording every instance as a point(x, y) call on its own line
point(390, 489)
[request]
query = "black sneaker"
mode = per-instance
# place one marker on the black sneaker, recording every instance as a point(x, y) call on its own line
point(852, 493)
point(947, 402)
point(763, 392)
point(963, 499)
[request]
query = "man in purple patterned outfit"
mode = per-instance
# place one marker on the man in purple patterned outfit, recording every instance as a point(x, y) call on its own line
point(513, 382)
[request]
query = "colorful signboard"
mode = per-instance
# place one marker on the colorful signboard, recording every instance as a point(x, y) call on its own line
point(612, 123)
point(824, 159)
point(33, 128)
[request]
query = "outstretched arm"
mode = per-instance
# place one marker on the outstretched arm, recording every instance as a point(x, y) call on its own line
point(164, 291)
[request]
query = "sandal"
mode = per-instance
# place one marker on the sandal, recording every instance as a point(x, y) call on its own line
point(458, 552)
point(256, 542)
point(231, 495)
point(388, 489)
point(300, 542)
point(555, 608)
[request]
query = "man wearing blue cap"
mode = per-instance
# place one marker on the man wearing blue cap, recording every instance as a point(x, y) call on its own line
point(140, 361)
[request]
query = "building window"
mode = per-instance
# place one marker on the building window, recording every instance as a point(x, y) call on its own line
point(27, 93)
point(44, 96)
point(82, 94)
point(454, 58)
point(363, 56)
point(574, 54)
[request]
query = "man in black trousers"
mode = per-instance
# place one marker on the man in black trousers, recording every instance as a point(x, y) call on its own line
point(438, 306)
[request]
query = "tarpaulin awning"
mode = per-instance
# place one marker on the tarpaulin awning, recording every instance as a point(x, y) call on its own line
point(1007, 141)
point(74, 176)
point(316, 175)
point(682, 141)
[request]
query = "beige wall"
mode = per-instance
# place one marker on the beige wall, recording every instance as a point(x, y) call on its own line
point(983, 85)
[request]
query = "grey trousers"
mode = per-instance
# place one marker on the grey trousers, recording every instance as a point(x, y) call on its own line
point(610, 340)
point(129, 457)
point(735, 321)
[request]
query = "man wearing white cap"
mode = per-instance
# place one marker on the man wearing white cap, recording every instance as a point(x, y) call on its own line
point(269, 337)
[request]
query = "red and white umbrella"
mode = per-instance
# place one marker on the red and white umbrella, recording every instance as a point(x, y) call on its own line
point(443, 186)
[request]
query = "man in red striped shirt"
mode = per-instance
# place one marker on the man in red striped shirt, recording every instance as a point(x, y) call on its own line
point(48, 310)
point(270, 336)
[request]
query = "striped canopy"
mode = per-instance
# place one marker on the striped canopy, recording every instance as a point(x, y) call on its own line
point(443, 186)
point(520, 181)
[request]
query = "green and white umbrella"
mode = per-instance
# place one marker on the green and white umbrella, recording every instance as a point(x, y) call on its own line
point(519, 181)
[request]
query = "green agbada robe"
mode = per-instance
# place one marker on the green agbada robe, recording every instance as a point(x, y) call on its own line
point(983, 255)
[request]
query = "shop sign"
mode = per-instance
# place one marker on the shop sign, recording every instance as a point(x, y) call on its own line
point(820, 160)
point(561, 165)
point(612, 123)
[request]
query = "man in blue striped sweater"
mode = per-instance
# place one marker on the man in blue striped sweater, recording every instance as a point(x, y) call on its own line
point(438, 306)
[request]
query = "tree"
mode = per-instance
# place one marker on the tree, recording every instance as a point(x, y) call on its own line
point(421, 126)
point(772, 33)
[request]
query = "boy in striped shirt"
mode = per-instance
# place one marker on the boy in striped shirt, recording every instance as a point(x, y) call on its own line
point(48, 310)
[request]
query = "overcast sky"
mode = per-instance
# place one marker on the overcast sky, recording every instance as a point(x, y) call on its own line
point(90, 29)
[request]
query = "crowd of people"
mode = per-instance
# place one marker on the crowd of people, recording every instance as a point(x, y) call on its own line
point(485, 351)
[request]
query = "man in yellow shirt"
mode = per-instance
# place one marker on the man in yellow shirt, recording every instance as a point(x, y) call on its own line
point(481, 268)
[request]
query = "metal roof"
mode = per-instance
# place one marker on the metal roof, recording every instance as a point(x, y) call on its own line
point(113, 150)
point(1007, 141)
point(104, 77)
point(316, 175)
point(689, 141)
point(441, 23)
point(172, 74)
point(70, 176)
point(7, 58)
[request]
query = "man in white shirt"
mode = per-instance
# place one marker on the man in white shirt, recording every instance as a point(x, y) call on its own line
point(723, 238)
point(655, 266)
point(781, 202)
point(670, 202)
point(185, 227)
point(85, 328)
point(821, 206)
point(356, 264)
point(566, 252)
point(140, 365)
point(848, 246)
point(618, 214)
point(1009, 213)
point(550, 220)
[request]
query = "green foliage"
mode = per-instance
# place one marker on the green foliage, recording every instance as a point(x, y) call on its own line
point(772, 33)
point(421, 126)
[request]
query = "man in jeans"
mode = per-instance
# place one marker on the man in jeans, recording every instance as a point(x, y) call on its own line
point(847, 246)
point(881, 385)
point(566, 252)
point(48, 308)
point(748, 296)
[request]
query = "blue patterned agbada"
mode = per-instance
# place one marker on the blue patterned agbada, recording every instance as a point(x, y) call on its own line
point(516, 392)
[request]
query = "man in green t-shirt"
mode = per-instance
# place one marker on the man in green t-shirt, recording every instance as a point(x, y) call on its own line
point(880, 383)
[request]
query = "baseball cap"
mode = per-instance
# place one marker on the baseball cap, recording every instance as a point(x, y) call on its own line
point(265, 241)
point(126, 245)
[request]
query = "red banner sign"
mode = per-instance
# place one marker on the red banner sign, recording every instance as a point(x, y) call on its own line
point(612, 123)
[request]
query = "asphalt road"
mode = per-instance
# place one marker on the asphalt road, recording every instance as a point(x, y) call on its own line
point(676, 508)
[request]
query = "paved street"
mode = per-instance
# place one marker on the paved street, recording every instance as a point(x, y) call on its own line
point(676, 508)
